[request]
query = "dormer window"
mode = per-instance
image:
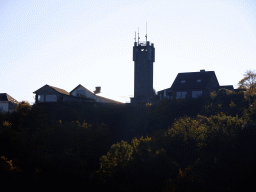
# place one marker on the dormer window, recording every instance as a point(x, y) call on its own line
point(183, 81)
point(199, 80)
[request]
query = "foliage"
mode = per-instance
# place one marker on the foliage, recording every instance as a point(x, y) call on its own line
point(188, 144)
point(116, 159)
point(185, 138)
point(228, 101)
point(23, 108)
point(248, 82)
point(10, 173)
point(132, 166)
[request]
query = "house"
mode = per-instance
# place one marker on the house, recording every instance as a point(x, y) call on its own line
point(48, 93)
point(7, 103)
point(81, 91)
point(193, 85)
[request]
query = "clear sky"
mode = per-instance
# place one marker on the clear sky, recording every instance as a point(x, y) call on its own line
point(89, 42)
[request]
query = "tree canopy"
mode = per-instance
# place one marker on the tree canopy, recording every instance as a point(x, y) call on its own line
point(248, 82)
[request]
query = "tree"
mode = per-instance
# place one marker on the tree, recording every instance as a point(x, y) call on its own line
point(248, 82)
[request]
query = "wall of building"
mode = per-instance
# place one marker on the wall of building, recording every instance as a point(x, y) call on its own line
point(69, 98)
point(212, 86)
point(143, 57)
point(4, 106)
point(47, 97)
point(81, 90)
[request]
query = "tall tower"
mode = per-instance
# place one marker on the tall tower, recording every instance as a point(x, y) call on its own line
point(143, 57)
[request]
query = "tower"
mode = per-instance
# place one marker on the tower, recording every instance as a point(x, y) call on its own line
point(143, 57)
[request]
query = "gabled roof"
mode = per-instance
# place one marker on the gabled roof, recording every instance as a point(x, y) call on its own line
point(6, 97)
point(62, 91)
point(193, 80)
point(77, 87)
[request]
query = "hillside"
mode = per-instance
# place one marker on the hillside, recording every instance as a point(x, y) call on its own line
point(196, 145)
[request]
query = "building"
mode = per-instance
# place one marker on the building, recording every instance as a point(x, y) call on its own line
point(193, 85)
point(143, 57)
point(48, 93)
point(7, 103)
point(85, 94)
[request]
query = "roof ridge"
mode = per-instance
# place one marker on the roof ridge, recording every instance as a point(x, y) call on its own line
point(81, 86)
point(63, 91)
point(7, 97)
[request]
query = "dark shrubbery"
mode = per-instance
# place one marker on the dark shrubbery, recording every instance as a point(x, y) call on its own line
point(184, 145)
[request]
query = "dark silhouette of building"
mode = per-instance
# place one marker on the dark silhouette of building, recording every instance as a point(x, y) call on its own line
point(193, 85)
point(49, 93)
point(7, 103)
point(143, 57)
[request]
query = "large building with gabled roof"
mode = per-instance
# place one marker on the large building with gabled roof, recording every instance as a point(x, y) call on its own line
point(49, 93)
point(192, 85)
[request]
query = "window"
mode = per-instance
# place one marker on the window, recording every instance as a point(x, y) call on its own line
point(51, 98)
point(196, 94)
point(183, 81)
point(80, 92)
point(40, 98)
point(199, 80)
point(181, 95)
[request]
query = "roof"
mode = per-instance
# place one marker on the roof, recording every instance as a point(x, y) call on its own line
point(167, 90)
point(229, 87)
point(59, 90)
point(79, 86)
point(193, 80)
point(104, 98)
point(6, 97)
point(112, 101)
point(62, 91)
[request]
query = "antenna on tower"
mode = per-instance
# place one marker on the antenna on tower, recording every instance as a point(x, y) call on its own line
point(135, 37)
point(146, 32)
point(138, 35)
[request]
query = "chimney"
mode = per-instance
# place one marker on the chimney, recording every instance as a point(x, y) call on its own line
point(202, 70)
point(97, 90)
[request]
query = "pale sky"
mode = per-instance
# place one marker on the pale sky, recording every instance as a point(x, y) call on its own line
point(89, 42)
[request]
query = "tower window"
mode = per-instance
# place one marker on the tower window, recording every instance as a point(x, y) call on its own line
point(183, 81)
point(199, 80)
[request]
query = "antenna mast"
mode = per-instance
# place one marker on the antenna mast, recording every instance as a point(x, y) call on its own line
point(146, 33)
point(135, 37)
point(138, 35)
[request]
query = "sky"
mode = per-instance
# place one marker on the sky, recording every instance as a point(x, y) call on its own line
point(89, 42)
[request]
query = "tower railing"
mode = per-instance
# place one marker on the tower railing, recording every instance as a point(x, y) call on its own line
point(143, 43)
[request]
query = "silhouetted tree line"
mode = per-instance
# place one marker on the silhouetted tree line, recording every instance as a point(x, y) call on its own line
point(204, 144)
